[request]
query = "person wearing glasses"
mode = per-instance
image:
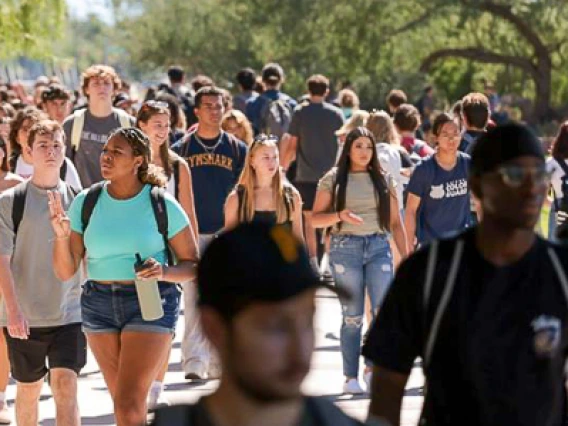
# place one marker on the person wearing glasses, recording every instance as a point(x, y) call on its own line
point(216, 159)
point(263, 194)
point(485, 310)
point(438, 192)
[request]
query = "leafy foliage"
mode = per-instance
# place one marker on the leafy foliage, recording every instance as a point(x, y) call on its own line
point(29, 27)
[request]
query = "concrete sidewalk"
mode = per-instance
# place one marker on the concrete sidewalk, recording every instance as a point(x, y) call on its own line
point(325, 378)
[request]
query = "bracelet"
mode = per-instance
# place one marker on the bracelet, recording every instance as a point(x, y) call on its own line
point(62, 238)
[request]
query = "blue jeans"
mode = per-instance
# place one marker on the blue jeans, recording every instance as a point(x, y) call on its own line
point(359, 263)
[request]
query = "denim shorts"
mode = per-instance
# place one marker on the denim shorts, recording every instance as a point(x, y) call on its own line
point(113, 308)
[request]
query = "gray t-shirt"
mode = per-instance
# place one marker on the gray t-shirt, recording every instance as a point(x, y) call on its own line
point(361, 198)
point(45, 300)
point(315, 124)
point(93, 137)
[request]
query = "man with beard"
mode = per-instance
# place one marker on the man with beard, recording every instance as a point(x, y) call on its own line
point(256, 295)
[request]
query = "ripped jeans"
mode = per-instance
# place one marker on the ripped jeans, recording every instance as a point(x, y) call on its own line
point(359, 263)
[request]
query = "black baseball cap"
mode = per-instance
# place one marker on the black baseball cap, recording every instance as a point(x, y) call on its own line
point(502, 144)
point(254, 262)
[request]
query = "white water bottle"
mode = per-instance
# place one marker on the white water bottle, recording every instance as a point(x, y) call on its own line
point(148, 294)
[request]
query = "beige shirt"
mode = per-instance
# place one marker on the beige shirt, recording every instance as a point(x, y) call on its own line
point(361, 198)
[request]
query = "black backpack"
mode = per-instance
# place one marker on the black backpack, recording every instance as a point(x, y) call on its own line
point(157, 199)
point(20, 192)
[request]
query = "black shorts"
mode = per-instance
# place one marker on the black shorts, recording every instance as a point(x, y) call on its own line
point(62, 347)
point(308, 192)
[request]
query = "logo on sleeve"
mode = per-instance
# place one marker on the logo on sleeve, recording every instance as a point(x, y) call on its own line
point(546, 336)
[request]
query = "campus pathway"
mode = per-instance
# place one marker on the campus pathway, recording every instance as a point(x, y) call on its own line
point(325, 378)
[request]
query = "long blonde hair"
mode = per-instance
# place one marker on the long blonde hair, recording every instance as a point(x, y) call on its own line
point(281, 191)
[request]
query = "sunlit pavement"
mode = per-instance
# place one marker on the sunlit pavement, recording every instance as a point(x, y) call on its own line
point(325, 378)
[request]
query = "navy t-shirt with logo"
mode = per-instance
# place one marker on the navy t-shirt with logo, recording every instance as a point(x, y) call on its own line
point(444, 198)
point(502, 342)
point(213, 174)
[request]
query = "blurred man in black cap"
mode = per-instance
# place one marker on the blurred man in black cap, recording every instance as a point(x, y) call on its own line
point(486, 310)
point(256, 297)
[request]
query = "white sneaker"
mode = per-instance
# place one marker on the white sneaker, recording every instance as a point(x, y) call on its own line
point(352, 387)
point(156, 401)
point(5, 415)
point(368, 378)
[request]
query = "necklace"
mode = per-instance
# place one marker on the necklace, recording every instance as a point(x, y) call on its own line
point(209, 149)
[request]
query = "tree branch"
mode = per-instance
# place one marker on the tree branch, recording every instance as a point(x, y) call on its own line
point(506, 12)
point(479, 55)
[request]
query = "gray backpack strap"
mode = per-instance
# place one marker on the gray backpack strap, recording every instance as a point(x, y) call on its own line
point(443, 303)
point(559, 271)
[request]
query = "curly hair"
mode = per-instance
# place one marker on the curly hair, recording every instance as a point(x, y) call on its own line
point(148, 173)
point(100, 71)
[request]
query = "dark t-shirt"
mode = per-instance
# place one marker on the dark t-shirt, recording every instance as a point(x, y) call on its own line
point(444, 198)
point(315, 124)
point(317, 412)
point(499, 355)
point(93, 138)
point(213, 175)
point(468, 140)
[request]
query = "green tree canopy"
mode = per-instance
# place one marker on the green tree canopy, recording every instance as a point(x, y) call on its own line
point(374, 44)
point(30, 27)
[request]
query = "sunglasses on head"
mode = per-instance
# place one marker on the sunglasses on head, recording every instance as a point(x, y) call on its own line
point(514, 176)
point(155, 104)
point(266, 138)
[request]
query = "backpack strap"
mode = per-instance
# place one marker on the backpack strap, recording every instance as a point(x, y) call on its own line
point(559, 271)
point(158, 201)
point(76, 130)
point(63, 171)
point(89, 204)
point(175, 172)
point(444, 300)
point(18, 207)
point(123, 118)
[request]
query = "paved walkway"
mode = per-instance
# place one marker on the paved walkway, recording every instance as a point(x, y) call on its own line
point(325, 378)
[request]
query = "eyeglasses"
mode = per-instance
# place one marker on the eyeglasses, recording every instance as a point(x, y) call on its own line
point(514, 176)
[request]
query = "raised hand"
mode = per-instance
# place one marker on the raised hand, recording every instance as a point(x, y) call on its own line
point(59, 220)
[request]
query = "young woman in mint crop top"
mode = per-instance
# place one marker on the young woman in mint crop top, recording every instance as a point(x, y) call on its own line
point(128, 349)
point(263, 194)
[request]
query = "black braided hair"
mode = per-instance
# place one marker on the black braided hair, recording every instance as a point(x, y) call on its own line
point(147, 173)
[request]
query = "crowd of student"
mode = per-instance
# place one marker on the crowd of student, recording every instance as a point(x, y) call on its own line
point(90, 181)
